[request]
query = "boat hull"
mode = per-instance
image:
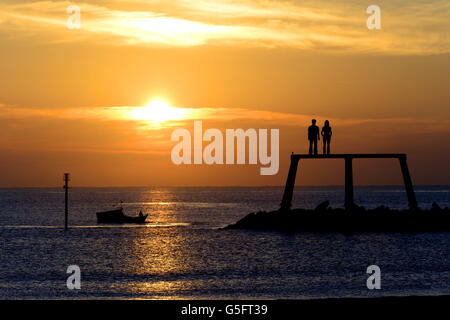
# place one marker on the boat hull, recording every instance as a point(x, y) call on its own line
point(117, 216)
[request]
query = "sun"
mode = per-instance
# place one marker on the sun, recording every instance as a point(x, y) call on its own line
point(157, 110)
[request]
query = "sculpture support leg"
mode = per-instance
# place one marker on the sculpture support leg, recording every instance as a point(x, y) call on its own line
point(290, 183)
point(349, 202)
point(408, 183)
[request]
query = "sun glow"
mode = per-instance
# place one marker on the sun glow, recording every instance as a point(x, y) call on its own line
point(157, 110)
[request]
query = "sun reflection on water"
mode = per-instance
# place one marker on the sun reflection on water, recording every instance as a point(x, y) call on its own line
point(156, 260)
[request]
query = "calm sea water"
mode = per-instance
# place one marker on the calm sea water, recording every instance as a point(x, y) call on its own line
point(181, 253)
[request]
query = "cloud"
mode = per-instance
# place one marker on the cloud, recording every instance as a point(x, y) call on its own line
point(216, 114)
point(407, 27)
point(107, 139)
point(233, 9)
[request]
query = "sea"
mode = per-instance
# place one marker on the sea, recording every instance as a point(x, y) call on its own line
point(182, 252)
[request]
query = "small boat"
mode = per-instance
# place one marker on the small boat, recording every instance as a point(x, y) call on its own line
point(117, 216)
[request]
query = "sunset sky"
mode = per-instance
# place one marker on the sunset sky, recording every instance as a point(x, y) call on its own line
point(75, 100)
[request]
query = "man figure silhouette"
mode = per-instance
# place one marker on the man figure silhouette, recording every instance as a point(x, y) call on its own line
point(313, 136)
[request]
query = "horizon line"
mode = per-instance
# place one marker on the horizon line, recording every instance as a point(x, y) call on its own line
point(222, 186)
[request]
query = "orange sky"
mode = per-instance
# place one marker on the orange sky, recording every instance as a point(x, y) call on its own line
point(67, 96)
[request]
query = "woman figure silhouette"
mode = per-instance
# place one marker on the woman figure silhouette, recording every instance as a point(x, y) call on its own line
point(326, 137)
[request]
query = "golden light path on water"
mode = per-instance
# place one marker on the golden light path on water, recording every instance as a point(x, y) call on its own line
point(155, 260)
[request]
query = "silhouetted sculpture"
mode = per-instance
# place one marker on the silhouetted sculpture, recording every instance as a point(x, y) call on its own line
point(348, 157)
point(326, 137)
point(313, 136)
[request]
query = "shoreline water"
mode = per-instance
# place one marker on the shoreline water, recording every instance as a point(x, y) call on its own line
point(196, 260)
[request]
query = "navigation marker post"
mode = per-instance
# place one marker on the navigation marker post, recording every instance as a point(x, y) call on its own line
point(66, 207)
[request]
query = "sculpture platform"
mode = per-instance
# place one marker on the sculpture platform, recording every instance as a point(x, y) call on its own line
point(348, 157)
